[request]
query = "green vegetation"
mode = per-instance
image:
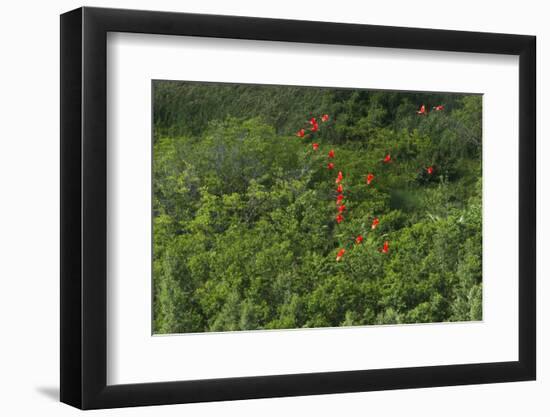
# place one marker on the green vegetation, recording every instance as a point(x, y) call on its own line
point(245, 235)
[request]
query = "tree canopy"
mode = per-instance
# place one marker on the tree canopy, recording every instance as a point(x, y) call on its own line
point(246, 233)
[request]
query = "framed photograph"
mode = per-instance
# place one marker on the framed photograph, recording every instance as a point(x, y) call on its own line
point(256, 208)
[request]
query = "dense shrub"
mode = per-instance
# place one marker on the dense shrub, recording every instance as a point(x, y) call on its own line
point(244, 212)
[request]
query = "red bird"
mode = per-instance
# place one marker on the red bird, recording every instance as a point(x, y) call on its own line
point(386, 247)
point(430, 170)
point(314, 125)
point(341, 208)
point(339, 218)
point(339, 189)
point(330, 165)
point(339, 199)
point(375, 223)
point(340, 254)
point(359, 239)
point(422, 110)
point(315, 146)
point(339, 178)
point(387, 158)
point(324, 118)
point(370, 177)
point(439, 108)
point(301, 133)
point(331, 153)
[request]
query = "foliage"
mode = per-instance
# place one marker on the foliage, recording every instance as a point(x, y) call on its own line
point(245, 235)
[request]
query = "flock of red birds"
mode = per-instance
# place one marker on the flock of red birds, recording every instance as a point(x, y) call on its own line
point(340, 206)
point(423, 112)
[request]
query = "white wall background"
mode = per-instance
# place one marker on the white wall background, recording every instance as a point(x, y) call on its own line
point(29, 208)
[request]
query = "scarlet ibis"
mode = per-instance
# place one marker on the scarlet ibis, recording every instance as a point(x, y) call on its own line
point(314, 125)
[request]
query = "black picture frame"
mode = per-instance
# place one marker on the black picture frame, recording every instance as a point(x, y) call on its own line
point(84, 207)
